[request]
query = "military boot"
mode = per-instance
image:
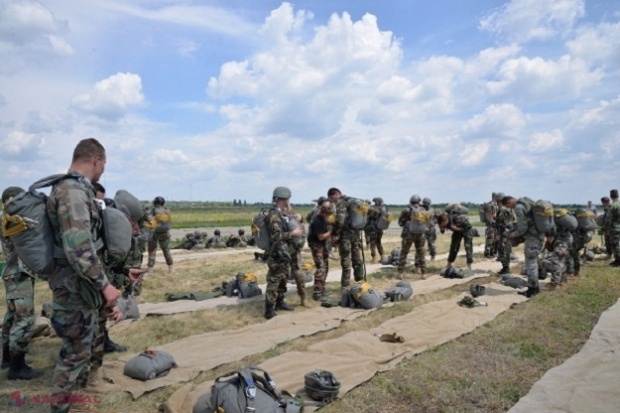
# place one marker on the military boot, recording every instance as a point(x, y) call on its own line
point(170, 269)
point(469, 266)
point(530, 292)
point(110, 347)
point(432, 258)
point(281, 305)
point(303, 302)
point(270, 312)
point(505, 270)
point(400, 275)
point(150, 271)
point(18, 370)
point(423, 273)
point(6, 357)
point(615, 263)
point(373, 259)
point(96, 384)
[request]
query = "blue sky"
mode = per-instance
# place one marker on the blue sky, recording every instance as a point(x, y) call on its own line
point(221, 100)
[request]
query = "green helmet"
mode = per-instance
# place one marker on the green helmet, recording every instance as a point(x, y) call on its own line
point(426, 201)
point(378, 200)
point(321, 385)
point(499, 196)
point(415, 199)
point(281, 192)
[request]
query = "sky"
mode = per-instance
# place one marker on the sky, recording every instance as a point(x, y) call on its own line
point(222, 100)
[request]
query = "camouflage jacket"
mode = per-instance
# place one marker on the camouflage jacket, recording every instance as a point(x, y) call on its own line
point(12, 264)
point(277, 222)
point(117, 268)
point(461, 221)
point(525, 220)
point(504, 219)
point(341, 224)
point(491, 209)
point(75, 218)
point(612, 217)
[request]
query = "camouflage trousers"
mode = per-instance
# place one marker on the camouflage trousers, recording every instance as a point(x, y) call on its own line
point(608, 248)
point(489, 241)
point(532, 248)
point(573, 261)
point(567, 238)
point(19, 317)
point(556, 262)
point(504, 249)
point(277, 277)
point(296, 272)
point(76, 325)
point(320, 255)
point(615, 244)
point(374, 242)
point(350, 250)
point(431, 240)
point(164, 244)
point(418, 241)
point(455, 246)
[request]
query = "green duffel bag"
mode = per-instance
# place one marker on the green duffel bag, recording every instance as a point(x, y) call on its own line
point(149, 365)
point(400, 292)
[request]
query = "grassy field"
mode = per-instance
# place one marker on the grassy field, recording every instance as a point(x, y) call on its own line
point(485, 371)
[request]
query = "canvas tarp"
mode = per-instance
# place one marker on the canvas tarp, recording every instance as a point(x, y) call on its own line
point(356, 357)
point(588, 381)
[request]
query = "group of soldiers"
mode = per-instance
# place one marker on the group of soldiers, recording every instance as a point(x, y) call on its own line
point(198, 240)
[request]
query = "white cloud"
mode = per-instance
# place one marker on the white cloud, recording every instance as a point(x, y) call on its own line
point(473, 154)
point(18, 144)
point(174, 156)
point(497, 121)
point(526, 20)
point(187, 47)
point(600, 43)
point(545, 141)
point(112, 97)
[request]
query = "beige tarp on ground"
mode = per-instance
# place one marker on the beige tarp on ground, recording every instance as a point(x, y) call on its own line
point(357, 356)
point(588, 382)
point(184, 255)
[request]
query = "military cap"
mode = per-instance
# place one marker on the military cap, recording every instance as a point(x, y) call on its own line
point(605, 199)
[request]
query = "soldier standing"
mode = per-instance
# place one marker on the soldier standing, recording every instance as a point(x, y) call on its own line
point(504, 221)
point(490, 213)
point(461, 229)
point(431, 232)
point(319, 234)
point(374, 233)
point(161, 234)
point(74, 216)
point(605, 201)
point(348, 239)
point(414, 222)
point(612, 226)
point(19, 318)
point(278, 256)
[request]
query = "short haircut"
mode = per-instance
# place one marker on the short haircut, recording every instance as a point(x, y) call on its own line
point(506, 199)
point(87, 149)
point(605, 199)
point(333, 191)
point(98, 187)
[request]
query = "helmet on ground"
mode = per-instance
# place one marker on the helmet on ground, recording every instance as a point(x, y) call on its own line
point(477, 290)
point(321, 385)
point(589, 255)
point(378, 200)
point(216, 232)
point(281, 192)
point(241, 231)
point(159, 200)
point(415, 199)
point(426, 201)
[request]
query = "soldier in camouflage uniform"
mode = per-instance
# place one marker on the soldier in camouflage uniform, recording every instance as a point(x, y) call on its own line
point(216, 241)
point(612, 226)
point(413, 234)
point(75, 217)
point(295, 244)
point(375, 234)
point(461, 230)
point(490, 213)
point(580, 239)
point(237, 241)
point(556, 262)
point(605, 201)
point(504, 221)
point(161, 234)
point(319, 234)
point(19, 317)
point(348, 239)
point(431, 233)
point(278, 256)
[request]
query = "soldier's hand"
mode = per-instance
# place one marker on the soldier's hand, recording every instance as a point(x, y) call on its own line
point(297, 232)
point(115, 314)
point(110, 294)
point(135, 273)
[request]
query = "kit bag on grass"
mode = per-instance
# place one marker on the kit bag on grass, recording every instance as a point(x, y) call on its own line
point(363, 295)
point(385, 218)
point(358, 213)
point(260, 230)
point(149, 365)
point(247, 285)
point(565, 220)
point(250, 390)
point(543, 215)
point(418, 222)
point(401, 291)
point(585, 219)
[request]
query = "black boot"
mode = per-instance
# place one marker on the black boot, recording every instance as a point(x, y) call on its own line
point(270, 312)
point(19, 370)
point(6, 357)
point(615, 263)
point(281, 305)
point(110, 347)
point(505, 270)
point(530, 292)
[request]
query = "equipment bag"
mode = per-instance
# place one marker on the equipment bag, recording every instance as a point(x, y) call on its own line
point(402, 291)
point(385, 218)
point(149, 365)
point(26, 222)
point(247, 285)
point(297, 242)
point(117, 232)
point(585, 219)
point(563, 219)
point(482, 212)
point(358, 213)
point(363, 295)
point(242, 391)
point(543, 216)
point(418, 222)
point(260, 230)
point(600, 220)
point(129, 308)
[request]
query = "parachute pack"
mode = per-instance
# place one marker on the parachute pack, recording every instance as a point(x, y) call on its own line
point(161, 220)
point(361, 295)
point(565, 220)
point(543, 215)
point(385, 218)
point(260, 230)
point(418, 222)
point(585, 219)
point(358, 212)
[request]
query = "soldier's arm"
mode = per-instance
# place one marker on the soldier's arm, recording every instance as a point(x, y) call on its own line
point(404, 217)
point(74, 219)
point(521, 227)
point(277, 233)
point(464, 223)
point(341, 216)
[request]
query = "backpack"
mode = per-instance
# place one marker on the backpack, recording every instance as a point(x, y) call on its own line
point(600, 220)
point(385, 218)
point(457, 209)
point(117, 232)
point(299, 241)
point(362, 295)
point(26, 222)
point(564, 220)
point(242, 391)
point(401, 291)
point(585, 219)
point(482, 212)
point(149, 364)
point(247, 285)
point(418, 222)
point(358, 212)
point(543, 215)
point(161, 221)
point(260, 230)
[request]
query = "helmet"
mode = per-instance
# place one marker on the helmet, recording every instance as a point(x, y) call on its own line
point(415, 199)
point(129, 204)
point(241, 231)
point(493, 195)
point(476, 290)
point(320, 200)
point(426, 201)
point(499, 196)
point(197, 233)
point(589, 255)
point(10, 192)
point(216, 232)
point(159, 200)
point(378, 200)
point(281, 192)
point(321, 385)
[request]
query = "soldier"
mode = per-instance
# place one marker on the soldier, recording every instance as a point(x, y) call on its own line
point(556, 263)
point(278, 256)
point(431, 233)
point(612, 226)
point(74, 216)
point(317, 205)
point(490, 213)
point(607, 236)
point(526, 231)
point(461, 229)
point(504, 221)
point(580, 239)
point(295, 244)
point(237, 240)
point(375, 234)
point(348, 239)
point(216, 241)
point(19, 317)
point(592, 208)
point(319, 234)
point(161, 234)
point(414, 222)
point(188, 242)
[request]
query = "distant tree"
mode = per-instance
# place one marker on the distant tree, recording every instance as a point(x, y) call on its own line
point(245, 203)
point(234, 202)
